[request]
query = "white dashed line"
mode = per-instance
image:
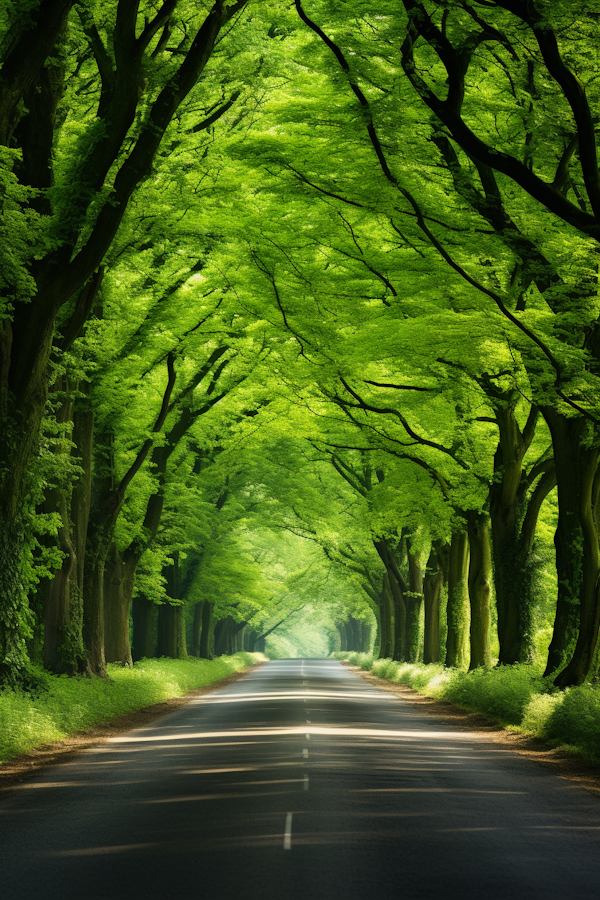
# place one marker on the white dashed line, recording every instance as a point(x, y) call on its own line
point(308, 737)
point(305, 753)
point(306, 782)
point(287, 837)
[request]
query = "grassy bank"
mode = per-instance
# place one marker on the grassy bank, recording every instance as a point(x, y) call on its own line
point(514, 696)
point(72, 704)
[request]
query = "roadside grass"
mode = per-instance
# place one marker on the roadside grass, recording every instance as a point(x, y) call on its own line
point(73, 704)
point(517, 697)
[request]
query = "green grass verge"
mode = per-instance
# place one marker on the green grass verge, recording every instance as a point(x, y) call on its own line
point(514, 696)
point(72, 704)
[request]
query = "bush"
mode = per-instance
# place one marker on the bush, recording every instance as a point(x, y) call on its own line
point(511, 695)
point(73, 704)
point(576, 720)
point(502, 693)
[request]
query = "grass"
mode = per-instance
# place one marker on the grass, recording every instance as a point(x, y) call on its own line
point(73, 704)
point(514, 696)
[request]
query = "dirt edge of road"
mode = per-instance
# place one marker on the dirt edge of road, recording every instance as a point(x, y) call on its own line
point(567, 765)
point(21, 768)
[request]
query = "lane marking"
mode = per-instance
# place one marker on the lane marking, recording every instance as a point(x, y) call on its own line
point(305, 753)
point(306, 782)
point(308, 722)
point(287, 837)
point(307, 736)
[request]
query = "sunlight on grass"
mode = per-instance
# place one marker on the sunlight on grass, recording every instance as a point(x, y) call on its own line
point(73, 704)
point(515, 696)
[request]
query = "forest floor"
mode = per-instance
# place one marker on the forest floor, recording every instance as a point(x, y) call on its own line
point(18, 769)
point(562, 762)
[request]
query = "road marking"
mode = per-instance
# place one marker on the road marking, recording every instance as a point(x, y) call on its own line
point(308, 722)
point(287, 837)
point(308, 737)
point(306, 782)
point(305, 753)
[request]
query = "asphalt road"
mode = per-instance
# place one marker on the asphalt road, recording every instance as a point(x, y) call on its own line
point(299, 781)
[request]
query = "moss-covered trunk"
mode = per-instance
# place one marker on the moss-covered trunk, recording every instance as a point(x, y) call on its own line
point(118, 589)
point(457, 641)
point(480, 588)
point(414, 604)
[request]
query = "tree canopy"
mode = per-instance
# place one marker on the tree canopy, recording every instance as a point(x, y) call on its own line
point(299, 332)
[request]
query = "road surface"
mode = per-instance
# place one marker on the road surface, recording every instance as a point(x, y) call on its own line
point(299, 781)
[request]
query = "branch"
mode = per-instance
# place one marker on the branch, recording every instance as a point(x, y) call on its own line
point(411, 433)
point(206, 123)
point(160, 420)
point(397, 387)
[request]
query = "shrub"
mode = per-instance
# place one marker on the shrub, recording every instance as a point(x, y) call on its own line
point(502, 693)
point(576, 720)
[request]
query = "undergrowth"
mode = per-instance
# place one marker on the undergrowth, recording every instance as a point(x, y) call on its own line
point(73, 704)
point(516, 696)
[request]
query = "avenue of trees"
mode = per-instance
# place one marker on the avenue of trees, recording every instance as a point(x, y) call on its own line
point(299, 323)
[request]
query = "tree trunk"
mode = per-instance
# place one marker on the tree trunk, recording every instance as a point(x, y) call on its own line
point(118, 589)
point(386, 619)
point(144, 614)
point(399, 653)
point(480, 583)
point(414, 602)
point(93, 616)
point(171, 631)
point(57, 659)
point(197, 629)
point(458, 602)
point(81, 496)
point(15, 614)
point(206, 635)
point(432, 588)
point(568, 539)
point(582, 659)
point(513, 571)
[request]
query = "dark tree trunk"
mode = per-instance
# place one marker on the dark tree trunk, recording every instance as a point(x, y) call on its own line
point(81, 496)
point(568, 539)
point(58, 601)
point(577, 551)
point(480, 585)
point(432, 588)
point(171, 617)
point(513, 590)
point(226, 636)
point(458, 602)
point(197, 629)
point(206, 635)
point(171, 631)
point(93, 616)
point(144, 614)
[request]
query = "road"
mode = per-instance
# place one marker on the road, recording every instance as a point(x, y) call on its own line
point(299, 781)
